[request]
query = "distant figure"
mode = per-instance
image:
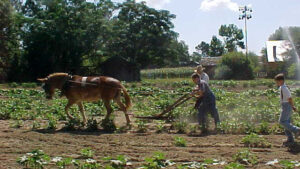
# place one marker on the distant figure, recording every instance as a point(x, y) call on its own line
point(287, 105)
point(203, 76)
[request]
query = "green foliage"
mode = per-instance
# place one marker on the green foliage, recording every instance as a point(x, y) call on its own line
point(245, 157)
point(294, 71)
point(37, 159)
point(216, 47)
point(142, 127)
point(254, 140)
point(92, 125)
point(238, 64)
point(157, 161)
point(234, 166)
point(223, 72)
point(87, 153)
point(119, 162)
point(180, 142)
point(233, 37)
point(180, 127)
point(108, 125)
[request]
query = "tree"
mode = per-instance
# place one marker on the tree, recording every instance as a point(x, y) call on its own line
point(9, 44)
point(216, 47)
point(233, 37)
point(59, 35)
point(203, 49)
point(142, 35)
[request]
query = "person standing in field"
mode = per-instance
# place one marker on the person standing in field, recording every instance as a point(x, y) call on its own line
point(203, 76)
point(208, 103)
point(287, 105)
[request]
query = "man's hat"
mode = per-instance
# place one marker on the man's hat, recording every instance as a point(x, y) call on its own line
point(199, 69)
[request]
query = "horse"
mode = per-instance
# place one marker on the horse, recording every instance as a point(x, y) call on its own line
point(78, 89)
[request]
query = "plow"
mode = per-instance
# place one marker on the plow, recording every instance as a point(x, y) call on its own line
point(166, 113)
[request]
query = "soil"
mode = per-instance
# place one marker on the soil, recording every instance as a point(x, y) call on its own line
point(136, 146)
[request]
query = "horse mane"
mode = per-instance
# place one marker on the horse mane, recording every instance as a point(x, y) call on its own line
point(57, 74)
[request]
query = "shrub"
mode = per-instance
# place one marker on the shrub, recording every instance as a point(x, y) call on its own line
point(239, 65)
point(294, 71)
point(157, 161)
point(223, 72)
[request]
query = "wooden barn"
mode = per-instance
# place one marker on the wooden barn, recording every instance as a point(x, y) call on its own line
point(120, 69)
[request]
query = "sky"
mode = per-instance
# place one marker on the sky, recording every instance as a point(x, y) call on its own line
point(199, 20)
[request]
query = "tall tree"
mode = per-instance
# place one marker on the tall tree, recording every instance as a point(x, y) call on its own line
point(203, 49)
point(60, 34)
point(142, 35)
point(233, 37)
point(9, 44)
point(216, 47)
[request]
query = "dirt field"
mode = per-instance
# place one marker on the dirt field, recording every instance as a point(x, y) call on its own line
point(16, 142)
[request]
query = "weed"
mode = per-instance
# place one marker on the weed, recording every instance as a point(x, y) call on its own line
point(180, 142)
point(157, 161)
point(87, 153)
point(245, 157)
point(141, 125)
point(119, 162)
point(108, 125)
point(37, 159)
point(92, 125)
point(234, 166)
point(180, 127)
point(254, 140)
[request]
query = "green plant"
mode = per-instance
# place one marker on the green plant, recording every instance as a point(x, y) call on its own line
point(142, 128)
point(35, 125)
point(87, 153)
point(17, 124)
point(180, 142)
point(108, 125)
point(63, 162)
point(180, 126)
point(286, 164)
point(37, 159)
point(160, 128)
point(90, 164)
point(119, 162)
point(157, 161)
point(245, 157)
point(234, 166)
point(92, 125)
point(254, 140)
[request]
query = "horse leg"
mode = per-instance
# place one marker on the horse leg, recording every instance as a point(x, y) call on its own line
point(70, 103)
point(108, 109)
point(81, 108)
point(123, 108)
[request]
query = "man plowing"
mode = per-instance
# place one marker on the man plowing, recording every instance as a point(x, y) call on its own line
point(207, 104)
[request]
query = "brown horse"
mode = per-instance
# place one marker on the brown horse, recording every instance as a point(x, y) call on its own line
point(78, 89)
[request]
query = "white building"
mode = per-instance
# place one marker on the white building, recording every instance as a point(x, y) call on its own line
point(277, 50)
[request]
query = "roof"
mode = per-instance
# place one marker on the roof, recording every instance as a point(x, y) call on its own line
point(210, 61)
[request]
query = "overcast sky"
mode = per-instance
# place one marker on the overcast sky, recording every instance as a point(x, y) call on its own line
point(199, 20)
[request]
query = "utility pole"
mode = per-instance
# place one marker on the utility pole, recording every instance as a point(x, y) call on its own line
point(245, 14)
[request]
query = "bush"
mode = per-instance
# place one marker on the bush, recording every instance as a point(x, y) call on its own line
point(239, 65)
point(223, 72)
point(294, 71)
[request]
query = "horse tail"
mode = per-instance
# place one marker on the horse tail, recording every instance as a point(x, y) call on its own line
point(127, 97)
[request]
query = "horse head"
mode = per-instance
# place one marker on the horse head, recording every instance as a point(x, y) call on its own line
point(52, 82)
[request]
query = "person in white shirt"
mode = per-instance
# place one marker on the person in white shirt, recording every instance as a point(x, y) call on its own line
point(288, 106)
point(202, 74)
